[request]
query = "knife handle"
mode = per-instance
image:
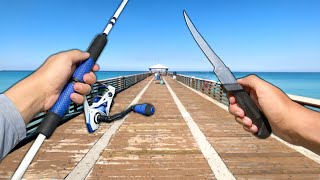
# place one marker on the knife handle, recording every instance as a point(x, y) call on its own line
point(252, 111)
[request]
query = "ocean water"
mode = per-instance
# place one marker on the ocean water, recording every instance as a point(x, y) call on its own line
point(298, 83)
point(9, 78)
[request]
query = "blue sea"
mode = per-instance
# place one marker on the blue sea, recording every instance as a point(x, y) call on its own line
point(298, 83)
point(9, 78)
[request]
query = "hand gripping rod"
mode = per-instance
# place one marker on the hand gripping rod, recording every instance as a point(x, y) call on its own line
point(58, 110)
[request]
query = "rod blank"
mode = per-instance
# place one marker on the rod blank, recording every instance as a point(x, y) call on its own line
point(115, 17)
point(28, 158)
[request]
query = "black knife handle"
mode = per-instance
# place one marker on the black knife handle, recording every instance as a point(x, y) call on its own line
point(251, 110)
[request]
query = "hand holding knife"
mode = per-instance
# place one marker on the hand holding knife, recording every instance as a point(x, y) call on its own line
point(230, 84)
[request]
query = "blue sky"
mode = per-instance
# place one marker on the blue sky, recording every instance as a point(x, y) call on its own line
point(261, 35)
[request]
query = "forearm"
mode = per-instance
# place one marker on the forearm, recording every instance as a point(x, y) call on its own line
point(12, 126)
point(28, 96)
point(307, 127)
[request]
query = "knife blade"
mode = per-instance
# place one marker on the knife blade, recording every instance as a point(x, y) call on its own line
point(230, 84)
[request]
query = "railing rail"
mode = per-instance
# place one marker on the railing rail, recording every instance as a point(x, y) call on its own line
point(211, 88)
point(306, 101)
point(214, 90)
point(120, 83)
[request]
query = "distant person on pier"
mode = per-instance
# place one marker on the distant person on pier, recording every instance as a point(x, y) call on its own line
point(174, 75)
point(37, 93)
point(157, 75)
point(289, 120)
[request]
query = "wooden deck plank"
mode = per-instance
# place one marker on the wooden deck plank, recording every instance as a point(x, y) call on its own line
point(162, 147)
point(67, 146)
point(159, 146)
point(245, 155)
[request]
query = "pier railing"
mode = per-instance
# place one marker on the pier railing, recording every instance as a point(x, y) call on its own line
point(211, 88)
point(214, 90)
point(120, 83)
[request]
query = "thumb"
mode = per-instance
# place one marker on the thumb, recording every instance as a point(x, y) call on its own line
point(250, 81)
point(76, 56)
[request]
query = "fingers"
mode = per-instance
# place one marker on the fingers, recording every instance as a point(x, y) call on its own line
point(96, 67)
point(82, 88)
point(90, 78)
point(234, 109)
point(245, 121)
point(251, 82)
point(240, 117)
point(252, 129)
point(232, 99)
point(77, 98)
point(247, 124)
point(76, 56)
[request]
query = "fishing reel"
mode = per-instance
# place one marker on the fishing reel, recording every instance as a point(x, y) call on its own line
point(100, 108)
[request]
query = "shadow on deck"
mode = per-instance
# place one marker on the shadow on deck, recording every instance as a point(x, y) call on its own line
point(166, 145)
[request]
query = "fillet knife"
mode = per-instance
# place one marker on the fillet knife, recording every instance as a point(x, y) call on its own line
point(230, 84)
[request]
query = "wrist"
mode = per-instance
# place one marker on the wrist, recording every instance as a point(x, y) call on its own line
point(307, 128)
point(27, 96)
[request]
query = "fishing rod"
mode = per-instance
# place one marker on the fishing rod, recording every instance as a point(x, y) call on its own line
point(58, 110)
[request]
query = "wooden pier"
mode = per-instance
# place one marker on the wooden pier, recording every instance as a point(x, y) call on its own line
point(190, 136)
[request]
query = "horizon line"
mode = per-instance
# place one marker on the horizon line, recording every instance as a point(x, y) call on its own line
point(181, 71)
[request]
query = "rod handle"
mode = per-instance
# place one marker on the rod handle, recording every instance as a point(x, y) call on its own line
point(59, 109)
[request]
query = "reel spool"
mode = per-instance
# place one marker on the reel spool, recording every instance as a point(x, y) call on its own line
point(100, 108)
point(101, 104)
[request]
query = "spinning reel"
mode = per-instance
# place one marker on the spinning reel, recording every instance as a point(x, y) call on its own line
point(100, 108)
